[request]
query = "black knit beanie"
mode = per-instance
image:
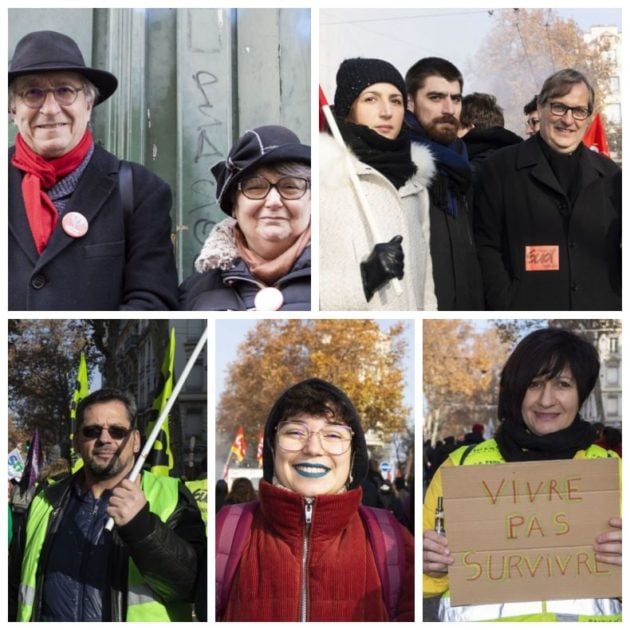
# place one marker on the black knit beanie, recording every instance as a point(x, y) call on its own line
point(354, 75)
point(307, 396)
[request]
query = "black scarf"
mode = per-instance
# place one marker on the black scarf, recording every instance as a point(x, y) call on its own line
point(391, 158)
point(518, 444)
point(453, 166)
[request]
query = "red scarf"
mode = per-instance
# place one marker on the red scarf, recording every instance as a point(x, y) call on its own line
point(41, 175)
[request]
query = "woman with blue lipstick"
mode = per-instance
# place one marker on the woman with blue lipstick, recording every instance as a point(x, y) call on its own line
point(308, 551)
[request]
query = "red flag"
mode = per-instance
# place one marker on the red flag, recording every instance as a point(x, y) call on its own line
point(239, 447)
point(259, 453)
point(322, 103)
point(595, 136)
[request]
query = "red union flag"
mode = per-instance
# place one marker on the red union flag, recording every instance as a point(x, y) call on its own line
point(595, 136)
point(239, 447)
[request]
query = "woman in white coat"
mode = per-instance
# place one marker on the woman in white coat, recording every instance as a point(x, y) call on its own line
point(358, 265)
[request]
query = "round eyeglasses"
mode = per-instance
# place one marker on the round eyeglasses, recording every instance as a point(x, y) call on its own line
point(578, 113)
point(65, 95)
point(289, 188)
point(335, 439)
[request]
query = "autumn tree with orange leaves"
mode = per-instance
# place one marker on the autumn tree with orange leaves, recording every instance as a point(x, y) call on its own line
point(461, 368)
point(525, 46)
point(355, 355)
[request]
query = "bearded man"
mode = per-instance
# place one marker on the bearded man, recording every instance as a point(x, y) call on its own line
point(434, 103)
point(64, 566)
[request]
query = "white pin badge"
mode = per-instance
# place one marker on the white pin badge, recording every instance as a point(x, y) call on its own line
point(268, 299)
point(74, 224)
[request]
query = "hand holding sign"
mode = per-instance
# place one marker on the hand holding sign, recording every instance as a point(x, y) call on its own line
point(608, 544)
point(436, 556)
point(533, 531)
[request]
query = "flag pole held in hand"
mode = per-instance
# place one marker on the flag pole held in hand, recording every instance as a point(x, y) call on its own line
point(354, 178)
point(163, 416)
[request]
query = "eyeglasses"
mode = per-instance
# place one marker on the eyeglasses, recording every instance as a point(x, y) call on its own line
point(64, 95)
point(289, 188)
point(93, 431)
point(560, 109)
point(335, 439)
point(532, 122)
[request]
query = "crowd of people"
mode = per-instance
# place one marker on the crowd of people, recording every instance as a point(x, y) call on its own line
point(454, 211)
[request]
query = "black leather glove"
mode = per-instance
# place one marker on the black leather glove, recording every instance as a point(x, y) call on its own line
point(386, 261)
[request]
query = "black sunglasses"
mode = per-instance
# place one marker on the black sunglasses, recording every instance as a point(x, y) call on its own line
point(94, 431)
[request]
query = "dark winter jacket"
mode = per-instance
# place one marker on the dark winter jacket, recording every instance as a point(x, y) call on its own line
point(231, 287)
point(456, 272)
point(342, 581)
point(166, 554)
point(539, 251)
point(482, 143)
point(122, 262)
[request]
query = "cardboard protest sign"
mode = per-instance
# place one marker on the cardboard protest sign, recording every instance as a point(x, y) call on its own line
point(525, 531)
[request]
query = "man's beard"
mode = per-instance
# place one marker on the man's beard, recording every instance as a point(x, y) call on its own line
point(443, 135)
point(105, 471)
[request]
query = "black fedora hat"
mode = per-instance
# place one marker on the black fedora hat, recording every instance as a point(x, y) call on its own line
point(49, 51)
point(262, 145)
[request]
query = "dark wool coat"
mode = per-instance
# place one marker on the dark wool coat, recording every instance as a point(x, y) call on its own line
point(236, 288)
point(456, 272)
point(519, 203)
point(223, 282)
point(482, 143)
point(124, 263)
point(342, 581)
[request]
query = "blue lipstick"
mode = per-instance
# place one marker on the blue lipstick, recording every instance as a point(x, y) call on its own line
point(312, 471)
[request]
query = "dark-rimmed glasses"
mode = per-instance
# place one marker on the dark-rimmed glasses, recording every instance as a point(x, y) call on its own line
point(93, 431)
point(289, 188)
point(560, 109)
point(35, 97)
point(335, 439)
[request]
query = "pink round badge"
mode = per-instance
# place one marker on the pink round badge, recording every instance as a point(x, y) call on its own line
point(268, 299)
point(74, 224)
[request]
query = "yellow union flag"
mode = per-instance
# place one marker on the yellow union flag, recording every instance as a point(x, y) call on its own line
point(81, 390)
point(160, 459)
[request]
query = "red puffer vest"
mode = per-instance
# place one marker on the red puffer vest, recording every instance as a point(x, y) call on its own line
point(342, 581)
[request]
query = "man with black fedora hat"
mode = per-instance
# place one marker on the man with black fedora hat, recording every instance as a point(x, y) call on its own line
point(86, 231)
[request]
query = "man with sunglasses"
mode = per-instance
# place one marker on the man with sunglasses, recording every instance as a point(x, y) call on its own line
point(548, 212)
point(86, 231)
point(66, 567)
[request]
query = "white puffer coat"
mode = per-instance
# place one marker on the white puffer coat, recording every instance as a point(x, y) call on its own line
point(345, 238)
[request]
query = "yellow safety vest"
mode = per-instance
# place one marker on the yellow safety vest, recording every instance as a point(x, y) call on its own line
point(557, 610)
point(142, 603)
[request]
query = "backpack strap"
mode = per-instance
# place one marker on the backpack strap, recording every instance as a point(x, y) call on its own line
point(233, 525)
point(389, 552)
point(125, 183)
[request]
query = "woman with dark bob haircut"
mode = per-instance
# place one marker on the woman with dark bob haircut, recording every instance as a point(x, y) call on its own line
point(544, 383)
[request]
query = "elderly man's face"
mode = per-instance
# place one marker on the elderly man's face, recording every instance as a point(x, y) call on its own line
point(51, 130)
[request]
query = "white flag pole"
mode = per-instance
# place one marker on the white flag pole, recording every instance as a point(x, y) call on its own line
point(356, 184)
point(163, 416)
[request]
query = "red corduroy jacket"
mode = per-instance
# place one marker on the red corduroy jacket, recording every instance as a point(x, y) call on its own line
point(340, 583)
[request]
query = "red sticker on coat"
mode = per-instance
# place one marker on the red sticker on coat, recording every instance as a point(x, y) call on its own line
point(542, 257)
